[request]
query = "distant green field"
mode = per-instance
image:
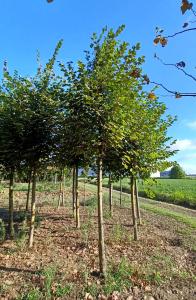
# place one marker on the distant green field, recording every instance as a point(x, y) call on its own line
point(177, 191)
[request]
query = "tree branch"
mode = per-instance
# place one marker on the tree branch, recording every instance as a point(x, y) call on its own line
point(176, 66)
point(180, 94)
point(179, 32)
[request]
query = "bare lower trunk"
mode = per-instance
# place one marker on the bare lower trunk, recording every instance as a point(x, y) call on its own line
point(55, 178)
point(63, 188)
point(74, 192)
point(137, 204)
point(102, 259)
point(110, 195)
point(77, 201)
point(135, 231)
point(32, 221)
point(84, 190)
point(11, 205)
point(28, 191)
point(120, 192)
point(60, 193)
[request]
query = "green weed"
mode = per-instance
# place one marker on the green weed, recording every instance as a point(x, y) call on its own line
point(118, 277)
point(2, 231)
point(49, 276)
point(63, 290)
point(34, 294)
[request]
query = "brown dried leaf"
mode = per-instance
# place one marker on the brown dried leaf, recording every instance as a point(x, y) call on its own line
point(156, 40)
point(185, 6)
point(163, 41)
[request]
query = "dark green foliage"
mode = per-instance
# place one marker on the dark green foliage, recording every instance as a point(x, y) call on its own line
point(177, 172)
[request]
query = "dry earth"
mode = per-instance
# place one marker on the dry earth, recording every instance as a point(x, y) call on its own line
point(63, 263)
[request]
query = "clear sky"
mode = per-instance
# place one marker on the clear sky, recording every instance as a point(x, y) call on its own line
point(30, 25)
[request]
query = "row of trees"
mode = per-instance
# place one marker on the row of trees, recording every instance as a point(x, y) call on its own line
point(95, 113)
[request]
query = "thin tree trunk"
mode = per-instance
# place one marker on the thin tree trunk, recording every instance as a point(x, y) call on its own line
point(60, 191)
point(63, 188)
point(77, 200)
point(102, 259)
point(28, 191)
point(120, 192)
point(110, 195)
point(55, 178)
point(84, 189)
point(32, 221)
point(74, 192)
point(11, 205)
point(135, 231)
point(137, 203)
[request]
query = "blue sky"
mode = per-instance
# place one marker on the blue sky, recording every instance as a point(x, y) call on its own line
point(28, 26)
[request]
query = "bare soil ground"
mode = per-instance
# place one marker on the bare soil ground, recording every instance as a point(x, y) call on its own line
point(63, 263)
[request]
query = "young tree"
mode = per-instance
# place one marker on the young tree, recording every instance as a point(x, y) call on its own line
point(30, 108)
point(177, 172)
point(111, 83)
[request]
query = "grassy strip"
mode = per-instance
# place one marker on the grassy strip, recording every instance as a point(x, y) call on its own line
point(190, 221)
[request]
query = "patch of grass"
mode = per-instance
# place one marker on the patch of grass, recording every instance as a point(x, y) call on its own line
point(34, 294)
point(2, 231)
point(85, 229)
point(65, 290)
point(118, 277)
point(107, 214)
point(93, 289)
point(21, 216)
point(177, 191)
point(91, 202)
point(49, 276)
point(22, 236)
point(182, 218)
point(158, 269)
point(119, 234)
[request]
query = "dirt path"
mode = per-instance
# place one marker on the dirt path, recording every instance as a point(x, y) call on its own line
point(177, 208)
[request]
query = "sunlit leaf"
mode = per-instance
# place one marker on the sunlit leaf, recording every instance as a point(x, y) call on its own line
point(152, 96)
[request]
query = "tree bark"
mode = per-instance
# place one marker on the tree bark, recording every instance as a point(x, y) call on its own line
point(55, 178)
point(28, 191)
point(73, 192)
point(84, 190)
point(11, 204)
point(137, 203)
point(63, 187)
point(110, 195)
point(102, 259)
point(32, 221)
point(135, 231)
point(120, 192)
point(60, 191)
point(77, 200)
